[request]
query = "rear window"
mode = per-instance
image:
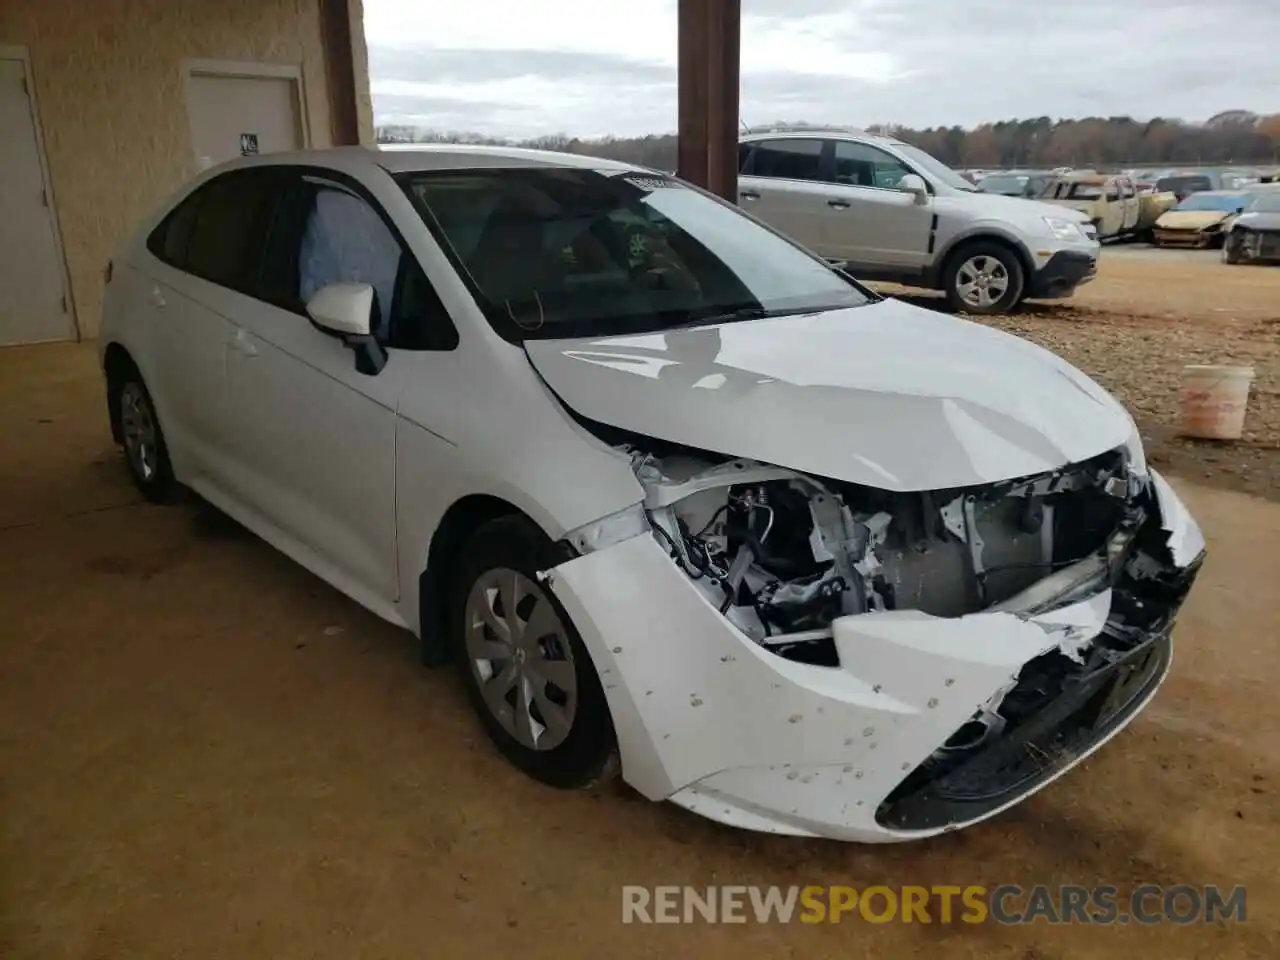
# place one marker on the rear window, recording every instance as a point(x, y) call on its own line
point(1183, 184)
point(217, 232)
point(226, 240)
point(788, 159)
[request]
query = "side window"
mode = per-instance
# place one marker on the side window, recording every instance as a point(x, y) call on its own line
point(862, 165)
point(788, 159)
point(225, 246)
point(744, 155)
point(169, 241)
point(326, 233)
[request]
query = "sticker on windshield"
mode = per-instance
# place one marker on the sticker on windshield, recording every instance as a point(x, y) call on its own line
point(649, 184)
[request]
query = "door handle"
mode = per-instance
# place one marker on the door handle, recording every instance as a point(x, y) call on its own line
point(157, 297)
point(749, 195)
point(241, 343)
point(838, 204)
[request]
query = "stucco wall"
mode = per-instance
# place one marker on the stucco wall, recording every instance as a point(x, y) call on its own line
point(109, 83)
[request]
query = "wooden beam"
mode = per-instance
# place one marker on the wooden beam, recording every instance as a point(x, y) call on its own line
point(708, 68)
point(339, 72)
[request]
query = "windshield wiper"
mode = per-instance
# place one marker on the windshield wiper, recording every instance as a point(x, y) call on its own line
point(708, 315)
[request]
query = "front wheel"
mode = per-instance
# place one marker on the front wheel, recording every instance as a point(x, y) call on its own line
point(983, 278)
point(1230, 249)
point(526, 671)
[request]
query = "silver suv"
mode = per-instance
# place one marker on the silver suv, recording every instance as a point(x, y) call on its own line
point(891, 212)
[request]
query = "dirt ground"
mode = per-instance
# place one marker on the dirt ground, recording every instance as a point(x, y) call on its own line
point(205, 751)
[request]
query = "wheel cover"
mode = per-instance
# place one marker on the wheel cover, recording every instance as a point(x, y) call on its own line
point(521, 658)
point(138, 424)
point(982, 281)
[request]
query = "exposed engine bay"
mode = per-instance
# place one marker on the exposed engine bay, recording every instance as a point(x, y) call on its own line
point(782, 554)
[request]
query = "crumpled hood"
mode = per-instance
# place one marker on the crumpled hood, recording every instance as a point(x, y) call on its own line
point(1191, 219)
point(888, 395)
point(1259, 220)
point(1025, 208)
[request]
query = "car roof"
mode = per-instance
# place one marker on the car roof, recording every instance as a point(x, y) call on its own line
point(434, 156)
point(824, 133)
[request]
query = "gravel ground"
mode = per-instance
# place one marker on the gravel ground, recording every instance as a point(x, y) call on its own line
point(1136, 326)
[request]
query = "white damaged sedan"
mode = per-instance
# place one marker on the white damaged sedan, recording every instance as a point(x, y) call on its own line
point(674, 494)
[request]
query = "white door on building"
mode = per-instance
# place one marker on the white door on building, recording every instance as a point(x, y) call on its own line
point(33, 307)
point(232, 116)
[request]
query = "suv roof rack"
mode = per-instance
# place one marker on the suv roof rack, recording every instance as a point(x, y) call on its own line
point(808, 128)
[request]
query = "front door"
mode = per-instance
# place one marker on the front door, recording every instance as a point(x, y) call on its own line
point(33, 304)
point(1131, 205)
point(316, 438)
point(879, 226)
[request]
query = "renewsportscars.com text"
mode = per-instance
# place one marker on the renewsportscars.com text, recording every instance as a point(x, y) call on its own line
point(1007, 904)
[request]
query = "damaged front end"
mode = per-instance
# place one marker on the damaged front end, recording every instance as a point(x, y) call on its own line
point(796, 562)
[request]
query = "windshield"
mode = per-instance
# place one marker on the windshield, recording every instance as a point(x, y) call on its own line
point(1266, 203)
point(1005, 184)
point(1213, 201)
point(567, 252)
point(935, 168)
point(1085, 191)
point(1183, 184)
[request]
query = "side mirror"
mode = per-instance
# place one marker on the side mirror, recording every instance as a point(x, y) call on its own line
point(914, 184)
point(345, 310)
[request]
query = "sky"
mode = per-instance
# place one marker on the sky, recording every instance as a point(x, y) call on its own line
point(594, 67)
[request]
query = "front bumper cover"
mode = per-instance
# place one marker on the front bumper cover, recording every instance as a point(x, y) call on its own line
point(721, 726)
point(1061, 274)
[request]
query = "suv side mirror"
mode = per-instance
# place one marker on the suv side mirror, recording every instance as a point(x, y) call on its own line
point(914, 184)
point(345, 310)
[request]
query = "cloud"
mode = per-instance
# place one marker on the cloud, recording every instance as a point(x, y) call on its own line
point(589, 68)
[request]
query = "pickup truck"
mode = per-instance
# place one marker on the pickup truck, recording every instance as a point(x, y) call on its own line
point(1111, 202)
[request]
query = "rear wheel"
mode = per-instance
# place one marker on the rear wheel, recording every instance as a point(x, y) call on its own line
point(983, 278)
point(138, 428)
point(526, 671)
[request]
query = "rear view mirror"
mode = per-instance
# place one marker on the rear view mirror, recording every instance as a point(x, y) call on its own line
point(914, 184)
point(345, 310)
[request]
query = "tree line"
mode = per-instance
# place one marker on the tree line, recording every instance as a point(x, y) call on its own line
point(1232, 137)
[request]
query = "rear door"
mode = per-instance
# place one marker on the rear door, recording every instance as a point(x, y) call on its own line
point(782, 183)
point(205, 250)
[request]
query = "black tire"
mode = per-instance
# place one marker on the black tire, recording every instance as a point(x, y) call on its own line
point(966, 254)
point(1230, 250)
point(152, 471)
point(588, 753)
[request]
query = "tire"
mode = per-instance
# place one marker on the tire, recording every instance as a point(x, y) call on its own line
point(999, 292)
point(542, 681)
point(1230, 250)
point(135, 423)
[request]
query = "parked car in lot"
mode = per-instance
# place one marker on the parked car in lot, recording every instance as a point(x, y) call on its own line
point(892, 212)
point(1015, 183)
point(1112, 203)
point(1182, 185)
point(1201, 220)
point(1254, 236)
point(667, 487)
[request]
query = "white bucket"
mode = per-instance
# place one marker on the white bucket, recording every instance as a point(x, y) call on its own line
point(1214, 400)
